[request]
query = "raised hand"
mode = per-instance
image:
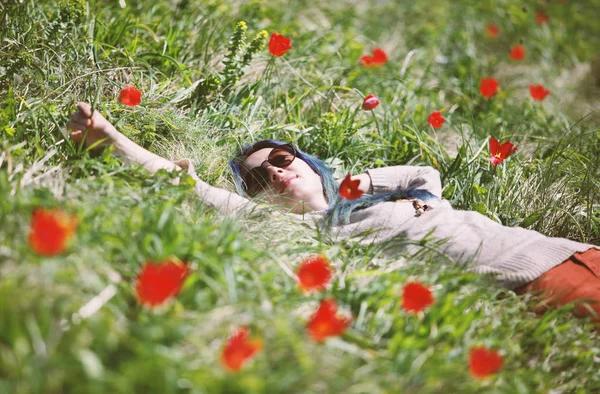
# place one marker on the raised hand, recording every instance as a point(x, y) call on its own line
point(93, 127)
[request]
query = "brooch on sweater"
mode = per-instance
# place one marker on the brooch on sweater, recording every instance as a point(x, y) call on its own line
point(419, 208)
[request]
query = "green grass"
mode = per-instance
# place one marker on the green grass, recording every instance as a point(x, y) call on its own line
point(57, 52)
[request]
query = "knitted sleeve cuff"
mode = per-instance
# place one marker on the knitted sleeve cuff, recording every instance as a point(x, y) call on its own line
point(388, 179)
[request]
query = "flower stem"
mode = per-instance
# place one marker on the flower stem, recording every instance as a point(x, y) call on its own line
point(376, 123)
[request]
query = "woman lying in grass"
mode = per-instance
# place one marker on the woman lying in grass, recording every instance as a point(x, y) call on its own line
point(400, 202)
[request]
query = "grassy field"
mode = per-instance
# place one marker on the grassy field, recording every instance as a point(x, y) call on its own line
point(71, 323)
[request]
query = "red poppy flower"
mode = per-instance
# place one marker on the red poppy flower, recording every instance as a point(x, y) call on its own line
point(325, 322)
point(366, 60)
point(489, 87)
point(538, 92)
point(416, 297)
point(378, 58)
point(541, 18)
point(517, 52)
point(239, 350)
point(157, 282)
point(492, 30)
point(484, 362)
point(370, 102)
point(50, 231)
point(279, 45)
point(436, 120)
point(130, 96)
point(349, 188)
point(314, 273)
point(500, 152)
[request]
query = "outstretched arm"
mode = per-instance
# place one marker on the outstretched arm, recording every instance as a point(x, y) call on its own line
point(93, 128)
point(386, 179)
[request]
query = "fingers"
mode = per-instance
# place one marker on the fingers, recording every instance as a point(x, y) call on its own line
point(76, 136)
point(85, 109)
point(75, 126)
point(80, 121)
point(78, 130)
point(78, 117)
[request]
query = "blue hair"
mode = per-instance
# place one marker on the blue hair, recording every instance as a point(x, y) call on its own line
point(340, 209)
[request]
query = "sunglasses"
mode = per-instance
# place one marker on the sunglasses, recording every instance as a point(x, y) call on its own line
point(257, 179)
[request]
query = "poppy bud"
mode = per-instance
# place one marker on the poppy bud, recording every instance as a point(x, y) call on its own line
point(370, 102)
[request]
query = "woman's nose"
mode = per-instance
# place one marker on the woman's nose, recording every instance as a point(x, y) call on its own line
point(274, 173)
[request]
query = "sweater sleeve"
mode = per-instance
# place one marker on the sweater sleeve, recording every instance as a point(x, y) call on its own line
point(387, 179)
point(223, 201)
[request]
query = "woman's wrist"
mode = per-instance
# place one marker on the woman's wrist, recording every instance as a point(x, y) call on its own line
point(366, 185)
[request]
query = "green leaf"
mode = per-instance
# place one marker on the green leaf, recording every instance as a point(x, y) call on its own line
point(530, 220)
point(482, 191)
point(9, 130)
point(480, 207)
point(454, 166)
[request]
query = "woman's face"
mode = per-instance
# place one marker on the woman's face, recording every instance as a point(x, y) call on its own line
point(293, 186)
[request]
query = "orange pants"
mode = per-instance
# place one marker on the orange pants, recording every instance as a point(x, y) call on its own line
point(575, 280)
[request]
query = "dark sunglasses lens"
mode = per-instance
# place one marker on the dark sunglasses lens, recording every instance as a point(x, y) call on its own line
point(282, 156)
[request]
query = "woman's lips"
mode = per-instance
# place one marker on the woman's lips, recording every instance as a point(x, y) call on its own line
point(286, 184)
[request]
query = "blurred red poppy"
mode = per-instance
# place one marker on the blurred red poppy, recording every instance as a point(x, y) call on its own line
point(370, 102)
point(130, 96)
point(492, 30)
point(349, 188)
point(51, 230)
point(484, 362)
point(239, 349)
point(314, 273)
point(436, 120)
point(489, 87)
point(416, 297)
point(541, 18)
point(517, 52)
point(158, 282)
point(279, 45)
point(538, 92)
point(378, 58)
point(500, 152)
point(366, 60)
point(325, 323)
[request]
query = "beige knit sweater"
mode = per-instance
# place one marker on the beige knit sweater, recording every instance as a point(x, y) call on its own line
point(513, 255)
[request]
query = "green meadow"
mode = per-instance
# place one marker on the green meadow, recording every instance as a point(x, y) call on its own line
point(72, 323)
